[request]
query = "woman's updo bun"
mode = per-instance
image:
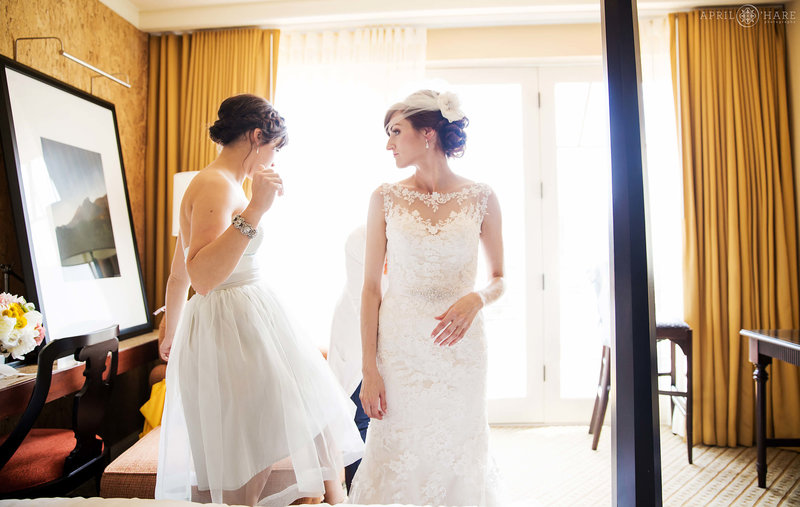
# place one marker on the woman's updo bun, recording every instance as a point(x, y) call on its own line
point(240, 114)
point(452, 136)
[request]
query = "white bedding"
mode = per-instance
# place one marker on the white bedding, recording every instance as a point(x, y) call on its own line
point(108, 502)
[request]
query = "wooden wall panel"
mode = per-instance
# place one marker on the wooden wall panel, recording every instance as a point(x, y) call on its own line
point(96, 35)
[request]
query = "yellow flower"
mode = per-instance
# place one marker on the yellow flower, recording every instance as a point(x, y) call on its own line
point(15, 311)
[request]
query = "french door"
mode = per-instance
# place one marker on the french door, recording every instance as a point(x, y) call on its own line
point(538, 136)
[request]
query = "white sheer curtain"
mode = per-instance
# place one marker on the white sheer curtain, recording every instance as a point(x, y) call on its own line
point(333, 89)
point(665, 186)
point(664, 171)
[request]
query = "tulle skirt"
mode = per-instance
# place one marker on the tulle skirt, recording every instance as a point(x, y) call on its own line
point(243, 393)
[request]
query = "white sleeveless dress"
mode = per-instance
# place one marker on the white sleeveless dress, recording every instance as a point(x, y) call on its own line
point(432, 446)
point(244, 392)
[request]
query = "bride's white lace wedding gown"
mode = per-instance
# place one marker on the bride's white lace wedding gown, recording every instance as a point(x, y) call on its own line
point(432, 446)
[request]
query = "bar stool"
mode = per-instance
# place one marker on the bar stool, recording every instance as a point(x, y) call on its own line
point(678, 333)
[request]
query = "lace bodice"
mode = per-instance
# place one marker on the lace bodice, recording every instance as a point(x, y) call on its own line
point(432, 239)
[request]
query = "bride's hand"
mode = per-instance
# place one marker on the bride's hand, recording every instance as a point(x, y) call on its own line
point(373, 395)
point(454, 323)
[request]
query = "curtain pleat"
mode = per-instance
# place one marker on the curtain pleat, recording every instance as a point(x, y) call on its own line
point(166, 106)
point(740, 236)
point(189, 76)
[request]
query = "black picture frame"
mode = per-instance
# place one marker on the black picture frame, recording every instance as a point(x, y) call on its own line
point(70, 203)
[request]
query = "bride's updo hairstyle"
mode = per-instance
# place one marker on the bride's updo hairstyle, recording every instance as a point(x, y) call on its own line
point(439, 111)
point(240, 114)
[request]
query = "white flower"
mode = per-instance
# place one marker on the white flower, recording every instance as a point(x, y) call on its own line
point(6, 326)
point(11, 341)
point(449, 106)
point(26, 344)
point(34, 318)
point(6, 329)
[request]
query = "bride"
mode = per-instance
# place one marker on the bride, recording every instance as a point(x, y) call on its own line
point(424, 346)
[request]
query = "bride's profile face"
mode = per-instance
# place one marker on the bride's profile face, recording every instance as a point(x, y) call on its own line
point(265, 155)
point(405, 142)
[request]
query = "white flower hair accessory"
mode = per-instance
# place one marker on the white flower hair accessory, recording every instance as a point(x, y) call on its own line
point(449, 106)
point(446, 103)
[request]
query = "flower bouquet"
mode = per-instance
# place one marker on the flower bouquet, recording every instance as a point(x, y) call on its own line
point(21, 327)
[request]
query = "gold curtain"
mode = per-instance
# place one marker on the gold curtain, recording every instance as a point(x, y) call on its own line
point(740, 254)
point(189, 76)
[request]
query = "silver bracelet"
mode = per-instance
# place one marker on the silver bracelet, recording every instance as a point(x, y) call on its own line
point(244, 227)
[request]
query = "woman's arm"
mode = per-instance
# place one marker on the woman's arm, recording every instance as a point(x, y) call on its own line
point(492, 240)
point(177, 288)
point(216, 246)
point(373, 393)
point(456, 321)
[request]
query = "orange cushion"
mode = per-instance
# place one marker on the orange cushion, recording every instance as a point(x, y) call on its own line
point(38, 460)
point(133, 473)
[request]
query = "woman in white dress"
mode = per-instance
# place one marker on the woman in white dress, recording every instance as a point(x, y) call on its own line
point(243, 390)
point(424, 350)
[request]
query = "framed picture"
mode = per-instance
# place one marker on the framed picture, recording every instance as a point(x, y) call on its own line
point(70, 204)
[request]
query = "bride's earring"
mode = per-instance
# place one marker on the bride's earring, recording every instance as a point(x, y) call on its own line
point(256, 151)
point(427, 146)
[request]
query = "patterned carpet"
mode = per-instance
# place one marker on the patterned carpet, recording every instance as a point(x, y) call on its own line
point(554, 465)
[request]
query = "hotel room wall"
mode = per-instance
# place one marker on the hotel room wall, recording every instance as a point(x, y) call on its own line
point(95, 34)
point(519, 42)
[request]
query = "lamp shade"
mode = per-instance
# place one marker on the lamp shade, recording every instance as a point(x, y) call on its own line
point(180, 183)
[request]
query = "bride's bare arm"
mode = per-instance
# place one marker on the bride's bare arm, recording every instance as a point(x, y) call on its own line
point(456, 321)
point(373, 393)
point(215, 246)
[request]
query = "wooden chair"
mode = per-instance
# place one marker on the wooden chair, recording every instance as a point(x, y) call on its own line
point(679, 334)
point(601, 400)
point(44, 462)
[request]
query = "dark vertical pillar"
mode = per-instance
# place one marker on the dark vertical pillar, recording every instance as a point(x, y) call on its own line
point(636, 454)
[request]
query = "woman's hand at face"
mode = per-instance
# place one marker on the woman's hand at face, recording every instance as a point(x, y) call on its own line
point(373, 395)
point(456, 321)
point(266, 184)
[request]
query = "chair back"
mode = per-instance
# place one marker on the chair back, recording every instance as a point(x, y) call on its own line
point(93, 349)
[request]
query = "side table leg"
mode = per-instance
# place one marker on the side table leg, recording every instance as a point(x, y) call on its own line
point(689, 403)
point(760, 375)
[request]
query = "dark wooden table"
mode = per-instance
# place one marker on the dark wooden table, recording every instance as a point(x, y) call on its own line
point(15, 393)
point(766, 345)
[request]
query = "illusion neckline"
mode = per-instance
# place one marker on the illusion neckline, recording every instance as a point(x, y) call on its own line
point(437, 195)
